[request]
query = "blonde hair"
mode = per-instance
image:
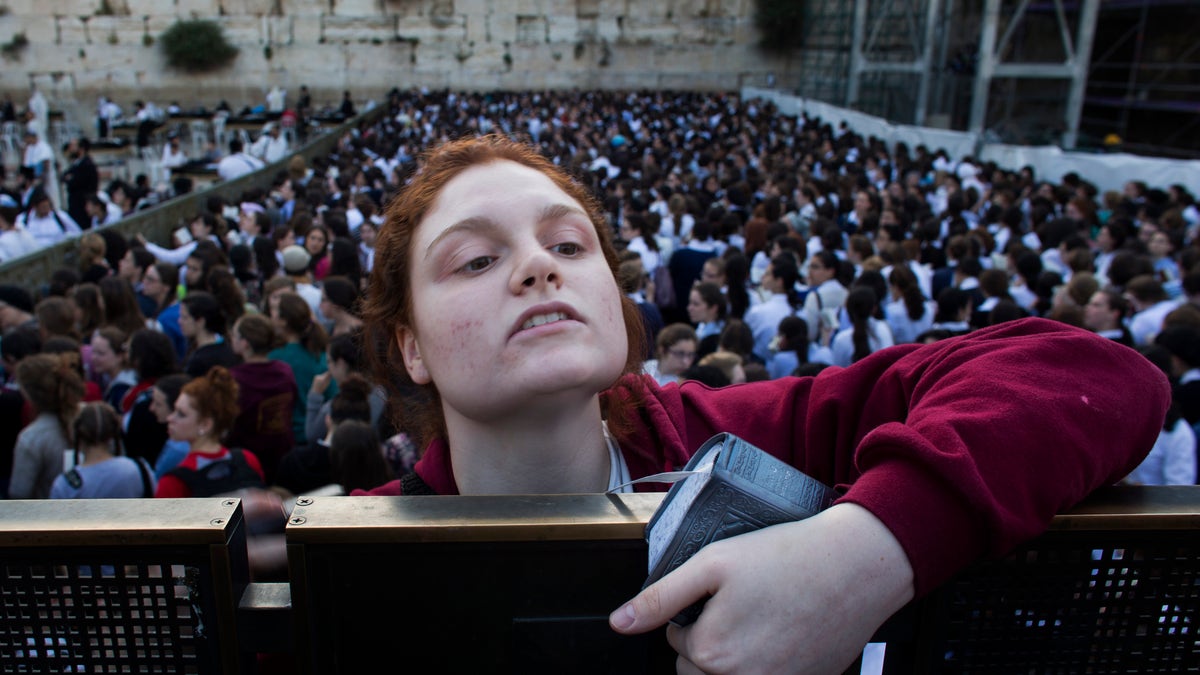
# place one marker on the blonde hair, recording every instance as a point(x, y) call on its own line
point(726, 361)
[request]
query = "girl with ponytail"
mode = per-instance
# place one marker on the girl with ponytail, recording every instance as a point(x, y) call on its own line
point(908, 313)
point(54, 387)
point(866, 334)
point(303, 349)
point(205, 410)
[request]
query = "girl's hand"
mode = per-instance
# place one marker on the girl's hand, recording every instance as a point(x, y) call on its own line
point(798, 597)
point(321, 382)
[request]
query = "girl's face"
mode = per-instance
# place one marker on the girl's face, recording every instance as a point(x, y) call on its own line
point(247, 223)
point(1160, 245)
point(699, 311)
point(1072, 211)
point(882, 240)
point(315, 241)
point(104, 358)
point(818, 273)
point(194, 273)
point(187, 325)
point(1097, 314)
point(513, 301)
point(339, 370)
point(677, 358)
point(200, 229)
point(288, 239)
point(158, 406)
point(127, 268)
point(367, 233)
point(184, 423)
point(152, 284)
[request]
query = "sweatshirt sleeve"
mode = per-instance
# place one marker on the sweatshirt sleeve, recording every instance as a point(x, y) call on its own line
point(996, 432)
point(314, 416)
point(21, 484)
point(963, 448)
point(175, 256)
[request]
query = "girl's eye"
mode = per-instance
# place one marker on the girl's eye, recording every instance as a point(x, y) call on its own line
point(478, 264)
point(567, 248)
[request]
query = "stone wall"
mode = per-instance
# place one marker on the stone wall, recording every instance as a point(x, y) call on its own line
point(79, 49)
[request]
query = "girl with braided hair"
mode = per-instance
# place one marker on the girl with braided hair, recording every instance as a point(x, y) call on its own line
point(102, 471)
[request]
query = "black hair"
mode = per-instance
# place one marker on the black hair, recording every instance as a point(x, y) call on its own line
point(21, 342)
point(347, 347)
point(860, 305)
point(204, 305)
point(151, 354)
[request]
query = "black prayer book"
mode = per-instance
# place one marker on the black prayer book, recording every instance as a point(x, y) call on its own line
point(734, 488)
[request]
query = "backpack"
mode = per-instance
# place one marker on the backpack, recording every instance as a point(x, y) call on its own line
point(664, 287)
point(219, 477)
point(75, 479)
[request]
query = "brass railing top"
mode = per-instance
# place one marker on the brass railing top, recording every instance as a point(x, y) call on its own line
point(473, 518)
point(567, 517)
point(98, 522)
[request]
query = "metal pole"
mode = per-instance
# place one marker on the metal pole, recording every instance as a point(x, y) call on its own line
point(985, 67)
point(856, 53)
point(1082, 59)
point(931, 14)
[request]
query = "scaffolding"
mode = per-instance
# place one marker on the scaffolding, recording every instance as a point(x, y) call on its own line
point(1085, 74)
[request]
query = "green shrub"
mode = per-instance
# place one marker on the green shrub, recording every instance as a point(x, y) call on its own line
point(13, 48)
point(196, 46)
point(781, 23)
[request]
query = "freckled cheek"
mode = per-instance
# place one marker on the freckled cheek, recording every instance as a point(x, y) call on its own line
point(457, 343)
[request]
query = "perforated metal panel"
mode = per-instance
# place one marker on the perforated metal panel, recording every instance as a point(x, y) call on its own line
point(1067, 604)
point(104, 616)
point(121, 586)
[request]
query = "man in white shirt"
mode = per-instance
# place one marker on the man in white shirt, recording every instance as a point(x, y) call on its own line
point(271, 146)
point(39, 158)
point(237, 163)
point(39, 109)
point(47, 224)
point(14, 241)
point(1150, 305)
point(275, 99)
point(107, 112)
point(173, 155)
point(101, 211)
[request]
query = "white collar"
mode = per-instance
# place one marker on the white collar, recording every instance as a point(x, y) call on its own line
point(618, 470)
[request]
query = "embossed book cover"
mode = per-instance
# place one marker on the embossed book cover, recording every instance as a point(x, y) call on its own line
point(734, 487)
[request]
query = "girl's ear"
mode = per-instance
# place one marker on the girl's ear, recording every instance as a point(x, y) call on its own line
point(412, 356)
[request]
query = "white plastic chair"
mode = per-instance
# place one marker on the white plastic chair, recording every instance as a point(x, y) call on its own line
point(198, 130)
point(218, 123)
point(153, 162)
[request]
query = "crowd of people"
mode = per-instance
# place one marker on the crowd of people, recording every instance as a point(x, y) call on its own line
point(250, 352)
point(756, 246)
point(66, 181)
